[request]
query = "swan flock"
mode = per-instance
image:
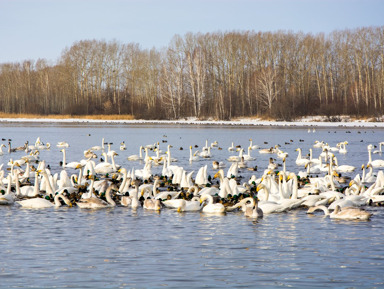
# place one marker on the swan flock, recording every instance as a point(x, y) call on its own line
point(97, 180)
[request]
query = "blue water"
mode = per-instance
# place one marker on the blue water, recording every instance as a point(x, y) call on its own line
point(116, 248)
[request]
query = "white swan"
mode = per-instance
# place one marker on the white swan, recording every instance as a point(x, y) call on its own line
point(375, 163)
point(1, 149)
point(343, 148)
point(41, 203)
point(8, 198)
point(248, 157)
point(251, 145)
point(231, 148)
point(342, 168)
point(193, 157)
point(349, 213)
point(190, 206)
point(206, 153)
point(300, 161)
point(379, 151)
point(99, 148)
point(210, 207)
point(137, 157)
point(62, 144)
point(72, 165)
point(236, 158)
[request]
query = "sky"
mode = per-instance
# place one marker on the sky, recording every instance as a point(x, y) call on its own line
point(33, 29)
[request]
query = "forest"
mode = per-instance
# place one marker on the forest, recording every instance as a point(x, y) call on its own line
point(221, 75)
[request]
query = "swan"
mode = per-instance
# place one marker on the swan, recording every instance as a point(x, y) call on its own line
point(250, 209)
point(231, 148)
point(210, 207)
point(62, 144)
point(132, 200)
point(72, 165)
point(318, 144)
point(369, 177)
point(96, 203)
point(233, 171)
point(201, 178)
point(343, 148)
point(190, 206)
point(300, 161)
point(342, 168)
point(251, 145)
point(152, 204)
point(236, 158)
point(41, 203)
point(168, 155)
point(123, 147)
point(206, 153)
point(375, 163)
point(1, 149)
point(379, 151)
point(8, 198)
point(106, 167)
point(267, 206)
point(29, 191)
point(166, 171)
point(88, 154)
point(137, 157)
point(271, 150)
point(99, 148)
point(348, 213)
point(248, 157)
point(193, 157)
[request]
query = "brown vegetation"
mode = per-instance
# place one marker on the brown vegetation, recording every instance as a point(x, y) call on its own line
point(66, 116)
point(282, 75)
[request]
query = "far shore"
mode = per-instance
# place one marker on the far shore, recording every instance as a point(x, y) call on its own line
point(305, 122)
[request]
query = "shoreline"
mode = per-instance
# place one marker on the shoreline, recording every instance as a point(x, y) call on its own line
point(241, 122)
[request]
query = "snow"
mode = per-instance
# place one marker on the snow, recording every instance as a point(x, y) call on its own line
point(316, 121)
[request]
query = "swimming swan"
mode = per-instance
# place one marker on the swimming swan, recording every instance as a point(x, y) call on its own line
point(348, 213)
point(210, 207)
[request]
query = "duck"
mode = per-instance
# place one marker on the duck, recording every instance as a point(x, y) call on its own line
point(348, 213)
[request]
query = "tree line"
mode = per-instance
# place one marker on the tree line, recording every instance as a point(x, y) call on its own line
point(221, 75)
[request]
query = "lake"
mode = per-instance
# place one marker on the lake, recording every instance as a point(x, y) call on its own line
point(118, 248)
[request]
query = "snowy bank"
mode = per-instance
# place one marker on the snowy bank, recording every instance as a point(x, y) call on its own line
point(304, 122)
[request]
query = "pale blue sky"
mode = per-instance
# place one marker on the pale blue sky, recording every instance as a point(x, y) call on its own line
point(32, 29)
